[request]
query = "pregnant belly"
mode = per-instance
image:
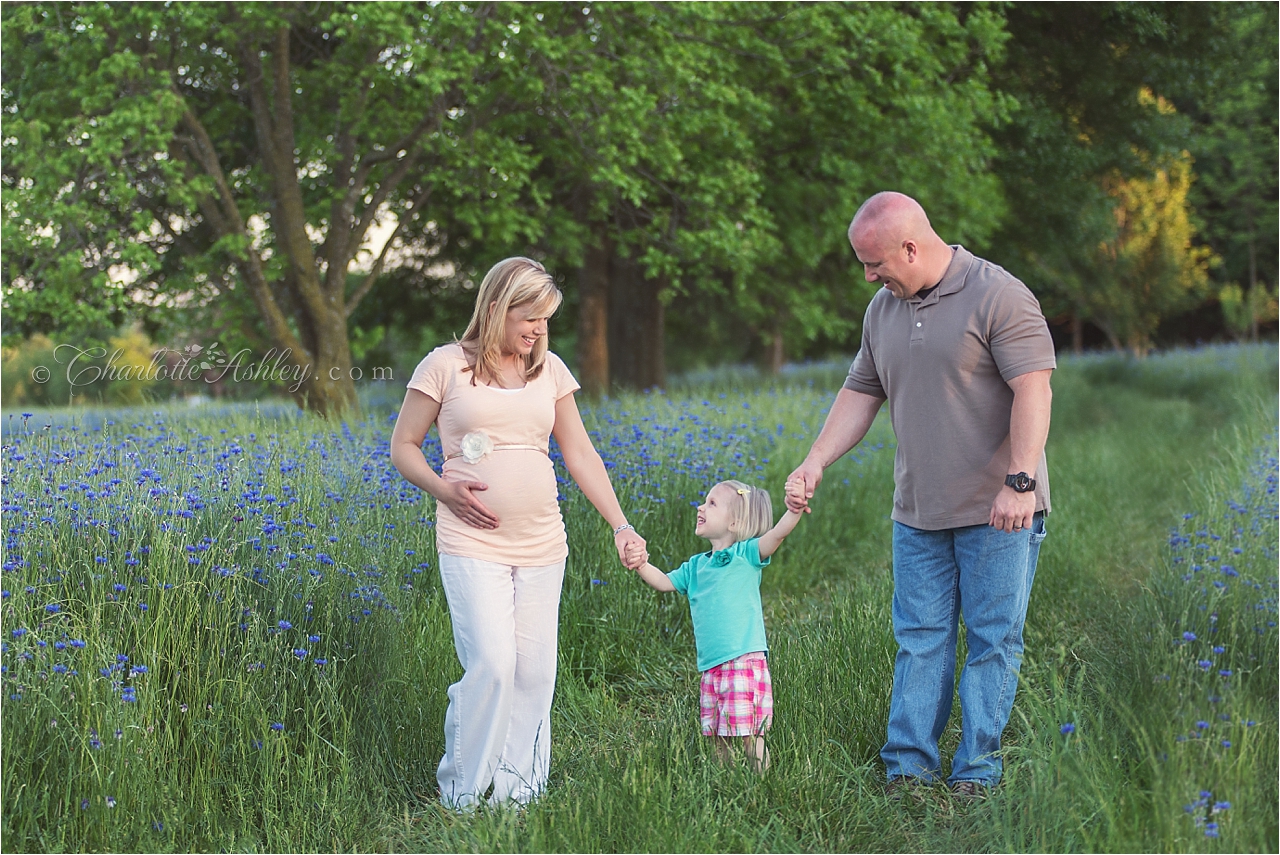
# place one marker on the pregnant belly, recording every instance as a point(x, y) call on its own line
point(522, 486)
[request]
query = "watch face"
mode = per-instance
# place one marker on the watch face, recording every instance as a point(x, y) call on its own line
point(1020, 482)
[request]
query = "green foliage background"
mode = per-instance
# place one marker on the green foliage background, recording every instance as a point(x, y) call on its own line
point(710, 154)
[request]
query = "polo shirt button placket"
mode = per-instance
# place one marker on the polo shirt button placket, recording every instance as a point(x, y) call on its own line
point(917, 331)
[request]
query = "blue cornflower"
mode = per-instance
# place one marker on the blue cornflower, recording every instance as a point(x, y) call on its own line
point(313, 638)
point(84, 804)
point(1204, 664)
point(1202, 725)
point(277, 726)
point(119, 587)
point(1188, 636)
point(122, 658)
point(1219, 649)
point(1211, 829)
point(1225, 672)
point(52, 607)
point(1067, 729)
point(111, 801)
point(300, 652)
point(1220, 806)
point(284, 624)
point(1226, 743)
point(256, 743)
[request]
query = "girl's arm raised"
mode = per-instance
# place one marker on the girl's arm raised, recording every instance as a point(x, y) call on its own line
point(639, 556)
point(772, 539)
point(655, 577)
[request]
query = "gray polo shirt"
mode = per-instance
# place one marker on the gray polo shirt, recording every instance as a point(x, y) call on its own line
point(944, 363)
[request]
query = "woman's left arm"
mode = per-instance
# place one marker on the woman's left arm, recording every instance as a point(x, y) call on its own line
point(587, 469)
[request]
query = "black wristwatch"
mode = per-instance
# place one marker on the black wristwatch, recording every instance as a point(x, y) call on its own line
point(1021, 483)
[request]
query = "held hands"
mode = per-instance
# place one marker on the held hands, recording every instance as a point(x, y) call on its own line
point(632, 550)
point(460, 498)
point(801, 485)
point(635, 555)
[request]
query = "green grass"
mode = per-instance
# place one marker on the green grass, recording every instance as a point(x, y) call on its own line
point(1134, 446)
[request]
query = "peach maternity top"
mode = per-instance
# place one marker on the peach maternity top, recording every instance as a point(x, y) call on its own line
point(522, 481)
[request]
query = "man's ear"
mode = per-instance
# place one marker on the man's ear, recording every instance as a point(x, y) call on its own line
point(912, 251)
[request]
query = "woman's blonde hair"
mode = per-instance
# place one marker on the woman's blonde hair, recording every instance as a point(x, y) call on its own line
point(512, 283)
point(752, 511)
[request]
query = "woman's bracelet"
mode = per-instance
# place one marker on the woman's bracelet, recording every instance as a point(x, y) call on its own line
point(620, 529)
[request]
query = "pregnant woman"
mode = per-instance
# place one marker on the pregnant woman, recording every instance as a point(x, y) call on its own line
point(496, 397)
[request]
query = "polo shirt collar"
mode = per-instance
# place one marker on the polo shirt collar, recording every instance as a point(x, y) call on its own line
point(953, 280)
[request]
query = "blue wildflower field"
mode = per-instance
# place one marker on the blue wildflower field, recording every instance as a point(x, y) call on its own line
point(222, 629)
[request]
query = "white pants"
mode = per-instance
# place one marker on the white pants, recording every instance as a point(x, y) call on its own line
point(498, 726)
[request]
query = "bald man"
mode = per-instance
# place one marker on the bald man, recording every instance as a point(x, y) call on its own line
point(962, 353)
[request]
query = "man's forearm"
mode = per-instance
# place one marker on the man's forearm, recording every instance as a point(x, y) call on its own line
point(848, 422)
point(1029, 421)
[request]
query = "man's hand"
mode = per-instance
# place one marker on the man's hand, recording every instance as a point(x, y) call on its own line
point(1012, 511)
point(801, 484)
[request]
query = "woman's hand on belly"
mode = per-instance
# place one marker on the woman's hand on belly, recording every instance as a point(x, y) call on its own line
point(460, 497)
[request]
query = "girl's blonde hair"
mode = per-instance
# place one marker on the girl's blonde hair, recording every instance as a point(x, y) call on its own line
point(513, 283)
point(752, 511)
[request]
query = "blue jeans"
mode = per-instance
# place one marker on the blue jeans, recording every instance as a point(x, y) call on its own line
point(984, 575)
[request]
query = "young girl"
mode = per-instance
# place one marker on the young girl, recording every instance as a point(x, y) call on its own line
point(723, 587)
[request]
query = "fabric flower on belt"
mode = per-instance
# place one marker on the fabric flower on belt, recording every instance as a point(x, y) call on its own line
point(475, 446)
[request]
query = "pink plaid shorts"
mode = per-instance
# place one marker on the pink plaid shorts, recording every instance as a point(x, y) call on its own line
point(737, 697)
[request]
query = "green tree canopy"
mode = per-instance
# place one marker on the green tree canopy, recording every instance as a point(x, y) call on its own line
point(236, 155)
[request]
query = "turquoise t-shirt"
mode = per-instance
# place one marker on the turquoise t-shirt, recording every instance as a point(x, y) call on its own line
point(723, 588)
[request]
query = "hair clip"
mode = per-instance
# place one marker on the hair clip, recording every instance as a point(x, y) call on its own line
point(742, 492)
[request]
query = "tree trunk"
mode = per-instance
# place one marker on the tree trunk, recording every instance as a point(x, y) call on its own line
point(777, 356)
point(1252, 301)
point(593, 317)
point(332, 389)
point(636, 327)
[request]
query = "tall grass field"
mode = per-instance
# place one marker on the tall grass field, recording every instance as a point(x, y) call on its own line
point(223, 630)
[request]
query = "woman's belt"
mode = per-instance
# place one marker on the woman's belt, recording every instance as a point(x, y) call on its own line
point(500, 447)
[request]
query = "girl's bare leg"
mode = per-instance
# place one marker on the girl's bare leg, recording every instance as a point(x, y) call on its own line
point(757, 752)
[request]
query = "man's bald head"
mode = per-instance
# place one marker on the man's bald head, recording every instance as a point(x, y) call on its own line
point(891, 217)
point(897, 246)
